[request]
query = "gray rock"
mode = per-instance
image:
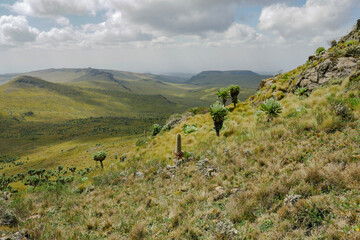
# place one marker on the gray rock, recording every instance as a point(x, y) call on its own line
point(247, 152)
point(90, 189)
point(219, 193)
point(170, 167)
point(226, 229)
point(6, 195)
point(206, 168)
point(7, 217)
point(326, 71)
point(16, 236)
point(139, 174)
point(291, 199)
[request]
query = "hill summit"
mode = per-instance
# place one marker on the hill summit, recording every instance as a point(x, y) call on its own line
point(244, 78)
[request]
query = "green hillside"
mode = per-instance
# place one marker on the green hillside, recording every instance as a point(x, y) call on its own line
point(53, 101)
point(246, 79)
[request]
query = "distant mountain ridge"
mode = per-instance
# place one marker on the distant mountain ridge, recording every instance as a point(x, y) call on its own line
point(244, 78)
point(64, 75)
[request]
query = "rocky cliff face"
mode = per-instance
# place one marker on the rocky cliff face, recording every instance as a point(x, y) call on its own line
point(331, 66)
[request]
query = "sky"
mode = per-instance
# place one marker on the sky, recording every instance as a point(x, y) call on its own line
point(169, 36)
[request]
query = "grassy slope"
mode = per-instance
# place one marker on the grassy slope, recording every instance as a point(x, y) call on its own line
point(51, 101)
point(308, 151)
point(298, 153)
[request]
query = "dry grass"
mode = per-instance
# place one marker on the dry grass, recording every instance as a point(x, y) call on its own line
point(303, 152)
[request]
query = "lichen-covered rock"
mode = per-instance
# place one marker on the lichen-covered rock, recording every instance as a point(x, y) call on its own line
point(206, 168)
point(16, 236)
point(226, 229)
point(290, 200)
point(7, 217)
point(328, 70)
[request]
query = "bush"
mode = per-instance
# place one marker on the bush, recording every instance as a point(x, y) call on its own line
point(100, 156)
point(320, 50)
point(155, 129)
point(333, 43)
point(272, 108)
point(223, 93)
point(352, 51)
point(189, 128)
point(302, 91)
point(234, 92)
point(218, 113)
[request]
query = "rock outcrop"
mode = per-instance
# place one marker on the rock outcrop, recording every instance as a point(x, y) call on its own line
point(332, 66)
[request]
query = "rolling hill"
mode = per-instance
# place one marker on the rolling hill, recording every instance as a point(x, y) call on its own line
point(246, 79)
point(54, 101)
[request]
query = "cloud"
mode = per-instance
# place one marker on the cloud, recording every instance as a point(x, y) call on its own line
point(183, 17)
point(15, 30)
point(189, 17)
point(54, 8)
point(62, 21)
point(114, 31)
point(57, 37)
point(316, 17)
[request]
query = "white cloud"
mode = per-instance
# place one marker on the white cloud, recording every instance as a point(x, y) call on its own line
point(313, 19)
point(48, 8)
point(114, 31)
point(62, 21)
point(15, 30)
point(59, 37)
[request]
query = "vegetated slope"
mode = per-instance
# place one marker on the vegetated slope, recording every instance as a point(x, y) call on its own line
point(63, 75)
point(51, 101)
point(246, 79)
point(295, 177)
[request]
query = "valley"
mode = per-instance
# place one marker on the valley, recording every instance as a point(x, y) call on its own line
point(59, 107)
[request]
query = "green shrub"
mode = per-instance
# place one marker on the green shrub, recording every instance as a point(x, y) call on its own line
point(271, 108)
point(350, 42)
point(218, 113)
point(302, 91)
point(223, 94)
point(333, 43)
point(320, 50)
point(189, 128)
point(352, 51)
point(234, 92)
point(100, 156)
point(4, 182)
point(155, 129)
point(266, 225)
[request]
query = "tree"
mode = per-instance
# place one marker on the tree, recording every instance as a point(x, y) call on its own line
point(223, 93)
point(218, 113)
point(100, 156)
point(272, 108)
point(234, 92)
